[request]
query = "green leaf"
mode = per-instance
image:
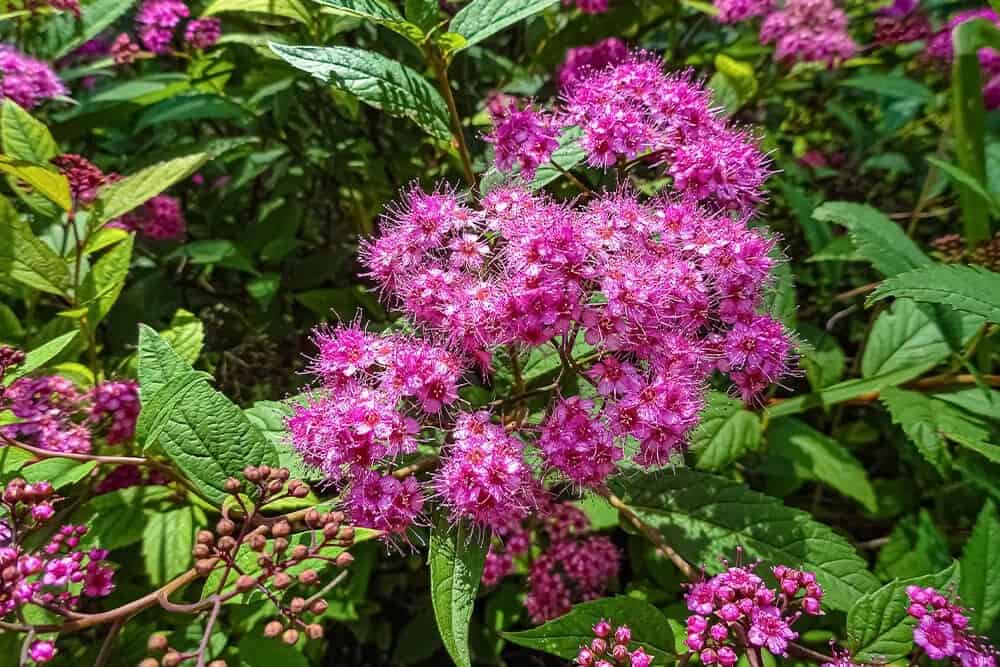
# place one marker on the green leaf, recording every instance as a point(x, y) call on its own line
point(967, 182)
point(705, 516)
point(186, 335)
point(136, 189)
point(899, 87)
point(816, 456)
point(568, 155)
point(256, 650)
point(877, 238)
point(26, 258)
point(980, 584)
point(971, 289)
point(878, 626)
point(915, 548)
point(375, 80)
point(907, 334)
point(295, 10)
point(727, 431)
point(25, 138)
point(378, 12)
point(204, 433)
point(915, 413)
point(198, 107)
point(269, 418)
point(734, 83)
point(456, 561)
point(167, 541)
point(59, 472)
point(424, 13)
point(104, 238)
point(116, 519)
point(63, 33)
point(104, 283)
point(41, 355)
point(46, 181)
point(845, 391)
point(565, 635)
point(483, 18)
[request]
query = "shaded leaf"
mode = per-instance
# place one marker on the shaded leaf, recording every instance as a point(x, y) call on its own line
point(456, 562)
point(726, 432)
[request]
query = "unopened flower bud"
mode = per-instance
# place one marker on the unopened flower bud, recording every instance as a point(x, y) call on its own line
point(281, 529)
point(157, 643)
point(308, 577)
point(344, 559)
point(205, 537)
point(226, 544)
point(300, 491)
point(299, 552)
point(280, 545)
point(225, 527)
point(258, 542)
point(245, 583)
point(251, 473)
point(205, 565)
point(281, 474)
point(297, 605)
point(149, 662)
point(314, 631)
point(312, 518)
point(273, 629)
point(281, 581)
point(275, 486)
point(232, 485)
point(263, 472)
point(217, 663)
point(319, 606)
point(330, 530)
point(290, 636)
point(346, 534)
point(171, 659)
point(201, 551)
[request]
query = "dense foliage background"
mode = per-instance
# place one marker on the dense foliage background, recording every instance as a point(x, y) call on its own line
point(230, 175)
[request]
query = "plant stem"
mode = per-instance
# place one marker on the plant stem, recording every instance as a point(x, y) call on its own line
point(650, 533)
point(441, 72)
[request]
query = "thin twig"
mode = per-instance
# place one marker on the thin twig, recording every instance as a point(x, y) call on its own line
point(203, 646)
point(109, 642)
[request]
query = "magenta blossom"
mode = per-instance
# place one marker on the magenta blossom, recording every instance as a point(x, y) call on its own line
point(25, 80)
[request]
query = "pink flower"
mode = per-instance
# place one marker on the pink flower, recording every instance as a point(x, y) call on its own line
point(937, 638)
point(582, 60)
point(159, 219)
point(769, 629)
point(589, 6)
point(734, 11)
point(203, 33)
point(42, 651)
point(25, 80)
point(809, 30)
point(124, 50)
point(117, 403)
point(98, 582)
point(523, 138)
point(156, 21)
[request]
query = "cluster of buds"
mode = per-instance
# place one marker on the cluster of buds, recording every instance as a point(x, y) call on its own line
point(952, 249)
point(171, 657)
point(55, 575)
point(735, 610)
point(9, 358)
point(943, 629)
point(610, 648)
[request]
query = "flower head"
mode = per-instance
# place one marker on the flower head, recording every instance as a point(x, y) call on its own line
point(25, 80)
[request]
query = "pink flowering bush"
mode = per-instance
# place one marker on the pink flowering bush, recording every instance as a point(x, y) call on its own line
point(430, 332)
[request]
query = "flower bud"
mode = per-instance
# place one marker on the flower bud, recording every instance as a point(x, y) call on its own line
point(275, 486)
point(149, 662)
point(330, 530)
point(258, 542)
point(346, 534)
point(281, 529)
point(171, 659)
point(42, 512)
point(251, 473)
point(301, 491)
point(280, 545)
point(344, 559)
point(312, 518)
point(297, 605)
point(157, 643)
point(314, 631)
point(205, 565)
point(273, 629)
point(290, 636)
point(217, 663)
point(299, 552)
point(225, 527)
point(602, 629)
point(281, 474)
point(232, 485)
point(245, 583)
point(201, 551)
point(205, 537)
point(226, 544)
point(308, 577)
point(318, 607)
point(263, 472)
point(623, 635)
point(619, 652)
point(281, 581)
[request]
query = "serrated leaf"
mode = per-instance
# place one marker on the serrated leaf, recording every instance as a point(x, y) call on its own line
point(456, 561)
point(726, 432)
point(377, 12)
point(565, 635)
point(40, 356)
point(186, 335)
point(877, 238)
point(205, 434)
point(816, 456)
point(424, 13)
point(907, 334)
point(915, 414)
point(167, 541)
point(704, 516)
point(46, 181)
point(484, 18)
point(104, 237)
point(915, 547)
point(289, 9)
point(26, 258)
point(116, 519)
point(136, 189)
point(980, 585)
point(878, 626)
point(971, 289)
point(375, 80)
point(25, 138)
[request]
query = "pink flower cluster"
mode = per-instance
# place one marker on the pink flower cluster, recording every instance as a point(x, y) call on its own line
point(55, 415)
point(582, 60)
point(85, 178)
point(156, 24)
point(735, 609)
point(159, 219)
point(940, 47)
point(25, 80)
point(522, 138)
point(42, 650)
point(610, 648)
point(809, 30)
point(59, 573)
point(375, 392)
point(123, 50)
point(943, 630)
point(734, 11)
point(588, 6)
point(574, 566)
